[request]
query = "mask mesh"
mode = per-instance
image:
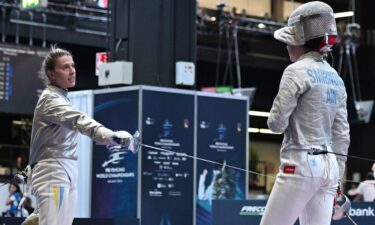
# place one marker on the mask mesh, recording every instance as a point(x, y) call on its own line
point(318, 26)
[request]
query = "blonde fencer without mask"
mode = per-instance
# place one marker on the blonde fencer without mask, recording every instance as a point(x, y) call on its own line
point(53, 147)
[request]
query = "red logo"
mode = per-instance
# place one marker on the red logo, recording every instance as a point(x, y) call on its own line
point(289, 169)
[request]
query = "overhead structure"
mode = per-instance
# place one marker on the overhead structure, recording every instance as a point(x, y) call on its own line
point(229, 25)
point(359, 110)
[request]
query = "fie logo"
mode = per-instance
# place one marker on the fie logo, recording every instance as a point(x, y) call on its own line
point(116, 153)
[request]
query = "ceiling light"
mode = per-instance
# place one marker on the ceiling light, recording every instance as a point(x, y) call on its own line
point(267, 131)
point(344, 14)
point(260, 130)
point(253, 130)
point(261, 26)
point(259, 113)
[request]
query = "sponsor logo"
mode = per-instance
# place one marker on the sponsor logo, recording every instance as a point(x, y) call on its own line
point(289, 169)
point(115, 155)
point(369, 211)
point(252, 210)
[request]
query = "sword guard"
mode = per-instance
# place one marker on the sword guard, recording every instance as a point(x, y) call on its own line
point(340, 211)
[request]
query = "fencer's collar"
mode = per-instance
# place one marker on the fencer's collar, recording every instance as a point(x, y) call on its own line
point(60, 90)
point(312, 54)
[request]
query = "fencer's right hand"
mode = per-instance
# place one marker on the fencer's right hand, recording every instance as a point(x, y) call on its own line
point(135, 142)
point(122, 138)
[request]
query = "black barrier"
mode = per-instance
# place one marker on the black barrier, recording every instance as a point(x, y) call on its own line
point(77, 221)
point(249, 212)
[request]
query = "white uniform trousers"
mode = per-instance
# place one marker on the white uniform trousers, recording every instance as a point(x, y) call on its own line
point(54, 186)
point(305, 188)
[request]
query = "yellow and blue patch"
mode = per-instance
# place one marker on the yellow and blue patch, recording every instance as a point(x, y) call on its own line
point(58, 194)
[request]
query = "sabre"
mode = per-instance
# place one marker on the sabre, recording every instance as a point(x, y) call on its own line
point(339, 211)
point(133, 144)
point(319, 152)
point(315, 152)
point(206, 160)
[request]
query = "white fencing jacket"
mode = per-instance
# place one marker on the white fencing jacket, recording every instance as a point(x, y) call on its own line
point(310, 108)
point(56, 125)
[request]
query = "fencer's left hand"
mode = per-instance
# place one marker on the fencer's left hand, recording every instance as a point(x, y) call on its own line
point(135, 142)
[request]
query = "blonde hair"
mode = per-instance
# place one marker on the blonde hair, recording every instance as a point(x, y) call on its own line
point(49, 61)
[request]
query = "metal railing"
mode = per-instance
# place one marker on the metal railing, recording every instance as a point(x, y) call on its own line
point(50, 17)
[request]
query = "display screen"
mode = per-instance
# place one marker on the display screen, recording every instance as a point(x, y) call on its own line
point(96, 3)
point(20, 79)
point(27, 4)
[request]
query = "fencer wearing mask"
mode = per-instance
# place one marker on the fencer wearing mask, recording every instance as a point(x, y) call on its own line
point(310, 109)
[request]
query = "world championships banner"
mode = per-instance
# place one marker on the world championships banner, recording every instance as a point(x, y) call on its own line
point(114, 172)
point(167, 179)
point(221, 137)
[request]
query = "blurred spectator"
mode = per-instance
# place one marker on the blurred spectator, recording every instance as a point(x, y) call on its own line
point(352, 192)
point(366, 189)
point(234, 12)
point(267, 16)
point(202, 17)
point(243, 13)
point(15, 196)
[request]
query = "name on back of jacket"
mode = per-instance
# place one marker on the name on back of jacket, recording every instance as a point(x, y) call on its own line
point(319, 76)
